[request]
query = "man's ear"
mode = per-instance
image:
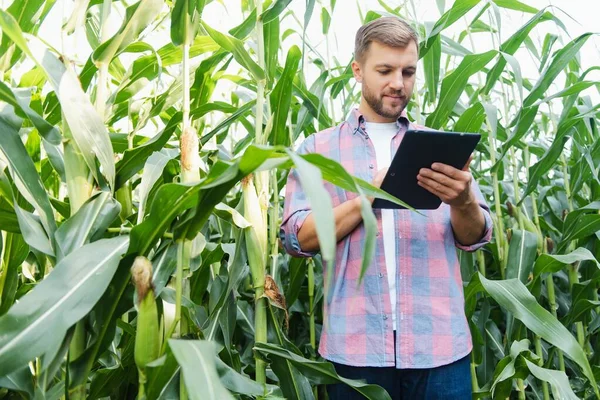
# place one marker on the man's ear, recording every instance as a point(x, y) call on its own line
point(356, 70)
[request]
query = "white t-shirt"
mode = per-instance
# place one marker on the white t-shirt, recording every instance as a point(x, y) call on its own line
point(381, 135)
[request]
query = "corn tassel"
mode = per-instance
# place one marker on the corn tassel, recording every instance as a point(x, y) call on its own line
point(147, 336)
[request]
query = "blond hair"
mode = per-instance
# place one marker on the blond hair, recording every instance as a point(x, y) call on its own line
point(390, 31)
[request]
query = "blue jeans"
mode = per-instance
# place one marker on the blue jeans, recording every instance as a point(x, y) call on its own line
point(448, 382)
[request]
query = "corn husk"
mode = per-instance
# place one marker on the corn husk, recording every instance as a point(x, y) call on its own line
point(256, 235)
point(147, 338)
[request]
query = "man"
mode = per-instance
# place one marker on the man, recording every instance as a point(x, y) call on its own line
point(404, 328)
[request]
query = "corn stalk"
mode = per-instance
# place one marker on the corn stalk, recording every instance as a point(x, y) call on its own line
point(80, 182)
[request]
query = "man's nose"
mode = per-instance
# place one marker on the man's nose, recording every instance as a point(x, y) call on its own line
point(397, 82)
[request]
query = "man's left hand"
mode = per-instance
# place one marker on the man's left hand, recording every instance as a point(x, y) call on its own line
point(451, 185)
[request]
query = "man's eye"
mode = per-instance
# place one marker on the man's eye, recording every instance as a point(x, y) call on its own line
point(384, 72)
point(409, 73)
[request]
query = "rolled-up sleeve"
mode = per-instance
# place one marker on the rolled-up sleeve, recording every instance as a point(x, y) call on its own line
point(489, 225)
point(296, 207)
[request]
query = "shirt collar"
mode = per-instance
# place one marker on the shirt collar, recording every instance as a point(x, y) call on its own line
point(356, 121)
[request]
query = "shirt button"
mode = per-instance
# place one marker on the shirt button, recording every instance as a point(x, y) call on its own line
point(371, 166)
point(380, 275)
point(385, 317)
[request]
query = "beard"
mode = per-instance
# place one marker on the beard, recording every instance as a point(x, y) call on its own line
point(376, 102)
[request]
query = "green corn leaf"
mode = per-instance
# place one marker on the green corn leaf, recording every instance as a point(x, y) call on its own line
point(547, 162)
point(294, 385)
point(322, 207)
point(15, 252)
point(8, 217)
point(454, 84)
point(241, 384)
point(274, 10)
point(87, 127)
point(21, 103)
point(549, 41)
point(105, 380)
point(281, 98)
point(223, 125)
point(305, 117)
point(553, 263)
point(580, 311)
point(28, 14)
point(236, 47)
point(325, 20)
point(185, 19)
point(458, 10)
point(161, 373)
point(338, 86)
point(138, 76)
point(21, 381)
point(33, 232)
point(320, 372)
point(514, 297)
point(431, 63)
point(134, 159)
point(333, 172)
point(558, 380)
point(313, 105)
point(310, 6)
point(24, 174)
point(514, 64)
point(511, 45)
point(522, 251)
point(88, 223)
point(170, 54)
point(173, 199)
point(57, 302)
point(558, 64)
point(153, 169)
point(272, 44)
point(137, 17)
point(525, 119)
point(576, 88)
point(199, 356)
point(77, 18)
point(579, 228)
point(515, 5)
point(471, 120)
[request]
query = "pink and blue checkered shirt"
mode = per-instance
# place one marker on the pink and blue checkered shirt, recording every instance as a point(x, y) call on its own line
point(432, 328)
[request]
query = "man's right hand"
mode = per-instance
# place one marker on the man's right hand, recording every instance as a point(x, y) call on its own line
point(377, 180)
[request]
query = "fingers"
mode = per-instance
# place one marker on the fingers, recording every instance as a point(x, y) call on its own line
point(448, 170)
point(455, 183)
point(466, 167)
point(435, 187)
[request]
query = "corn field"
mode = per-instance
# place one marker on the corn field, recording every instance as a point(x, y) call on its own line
point(141, 193)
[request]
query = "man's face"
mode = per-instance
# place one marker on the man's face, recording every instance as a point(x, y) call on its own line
point(388, 76)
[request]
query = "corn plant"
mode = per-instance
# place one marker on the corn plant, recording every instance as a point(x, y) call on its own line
point(140, 202)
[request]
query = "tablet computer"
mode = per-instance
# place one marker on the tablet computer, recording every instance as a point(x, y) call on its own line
point(419, 149)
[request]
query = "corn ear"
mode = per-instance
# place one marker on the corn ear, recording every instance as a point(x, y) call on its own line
point(147, 338)
point(190, 157)
point(256, 235)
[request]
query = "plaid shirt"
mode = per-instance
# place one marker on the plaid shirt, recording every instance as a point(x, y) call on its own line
point(432, 329)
